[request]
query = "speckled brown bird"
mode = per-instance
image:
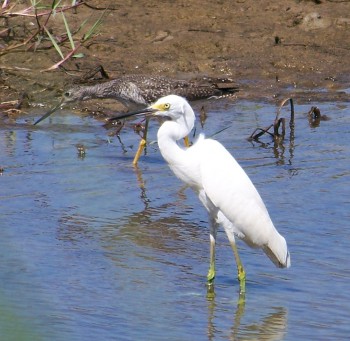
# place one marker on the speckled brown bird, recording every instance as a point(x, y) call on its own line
point(140, 90)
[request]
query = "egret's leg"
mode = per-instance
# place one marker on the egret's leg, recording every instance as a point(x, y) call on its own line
point(240, 268)
point(142, 144)
point(187, 141)
point(213, 232)
point(211, 272)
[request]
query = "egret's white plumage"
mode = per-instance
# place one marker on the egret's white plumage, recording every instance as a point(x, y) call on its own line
point(222, 186)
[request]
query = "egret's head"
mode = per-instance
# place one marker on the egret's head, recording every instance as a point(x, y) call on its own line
point(171, 106)
point(175, 108)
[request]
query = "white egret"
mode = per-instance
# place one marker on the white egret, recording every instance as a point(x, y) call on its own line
point(222, 185)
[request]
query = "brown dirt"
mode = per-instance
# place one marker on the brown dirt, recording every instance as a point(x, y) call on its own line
point(271, 48)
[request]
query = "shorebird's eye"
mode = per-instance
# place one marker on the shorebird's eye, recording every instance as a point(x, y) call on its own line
point(166, 106)
point(67, 94)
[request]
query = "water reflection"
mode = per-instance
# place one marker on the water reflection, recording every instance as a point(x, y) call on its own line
point(74, 228)
point(282, 148)
point(147, 228)
point(271, 326)
point(93, 249)
point(283, 151)
point(141, 184)
point(151, 227)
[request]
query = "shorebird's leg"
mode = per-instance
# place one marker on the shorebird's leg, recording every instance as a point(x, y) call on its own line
point(142, 143)
point(187, 141)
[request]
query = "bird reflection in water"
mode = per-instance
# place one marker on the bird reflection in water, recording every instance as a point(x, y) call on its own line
point(271, 327)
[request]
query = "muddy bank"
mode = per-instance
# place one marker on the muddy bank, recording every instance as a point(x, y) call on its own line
point(270, 48)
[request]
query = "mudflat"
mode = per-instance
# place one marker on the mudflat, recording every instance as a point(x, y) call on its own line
point(268, 47)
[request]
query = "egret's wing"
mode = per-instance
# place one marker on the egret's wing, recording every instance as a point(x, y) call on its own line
point(230, 189)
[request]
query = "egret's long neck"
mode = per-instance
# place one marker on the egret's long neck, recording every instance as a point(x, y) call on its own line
point(172, 131)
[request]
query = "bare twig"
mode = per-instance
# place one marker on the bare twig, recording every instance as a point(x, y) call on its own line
point(33, 13)
point(42, 30)
point(4, 5)
point(55, 66)
point(26, 11)
point(262, 131)
point(278, 122)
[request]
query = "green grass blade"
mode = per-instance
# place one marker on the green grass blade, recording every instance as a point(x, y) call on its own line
point(58, 49)
point(55, 5)
point(69, 33)
point(82, 25)
point(78, 55)
point(94, 27)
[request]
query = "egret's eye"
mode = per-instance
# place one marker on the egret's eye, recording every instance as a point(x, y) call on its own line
point(166, 106)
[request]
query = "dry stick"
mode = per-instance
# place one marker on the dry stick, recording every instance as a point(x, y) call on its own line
point(11, 48)
point(276, 127)
point(40, 28)
point(263, 131)
point(36, 15)
point(55, 66)
point(4, 14)
point(4, 4)
point(23, 14)
point(99, 8)
point(60, 39)
point(90, 74)
point(291, 110)
point(291, 122)
point(277, 123)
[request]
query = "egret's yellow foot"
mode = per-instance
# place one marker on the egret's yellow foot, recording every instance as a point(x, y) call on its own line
point(241, 278)
point(240, 268)
point(139, 151)
point(211, 275)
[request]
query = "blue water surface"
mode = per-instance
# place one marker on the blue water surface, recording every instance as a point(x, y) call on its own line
point(93, 248)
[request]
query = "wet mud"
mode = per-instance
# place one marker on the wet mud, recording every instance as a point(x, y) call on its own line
point(271, 49)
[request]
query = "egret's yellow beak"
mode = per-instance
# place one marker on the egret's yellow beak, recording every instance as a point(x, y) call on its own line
point(144, 111)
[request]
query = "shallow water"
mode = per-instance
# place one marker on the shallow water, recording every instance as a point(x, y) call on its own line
point(93, 249)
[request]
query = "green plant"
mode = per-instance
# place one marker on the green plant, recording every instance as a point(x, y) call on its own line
point(38, 37)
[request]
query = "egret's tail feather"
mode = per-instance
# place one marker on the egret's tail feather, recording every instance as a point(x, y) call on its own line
point(277, 251)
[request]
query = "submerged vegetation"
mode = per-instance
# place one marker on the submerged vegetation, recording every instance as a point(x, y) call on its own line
point(279, 122)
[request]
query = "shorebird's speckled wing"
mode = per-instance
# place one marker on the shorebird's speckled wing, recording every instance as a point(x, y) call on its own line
point(153, 87)
point(139, 90)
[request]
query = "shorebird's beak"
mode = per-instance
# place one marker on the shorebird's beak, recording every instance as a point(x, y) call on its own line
point(49, 113)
